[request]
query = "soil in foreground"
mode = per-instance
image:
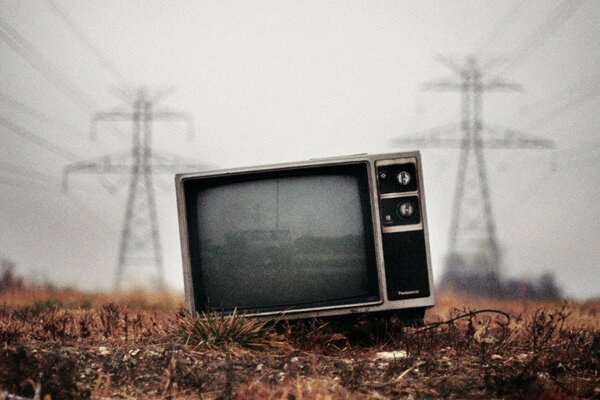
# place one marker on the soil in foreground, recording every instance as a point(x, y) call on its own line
point(77, 347)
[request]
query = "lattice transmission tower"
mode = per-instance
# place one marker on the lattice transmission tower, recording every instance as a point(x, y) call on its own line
point(140, 244)
point(473, 261)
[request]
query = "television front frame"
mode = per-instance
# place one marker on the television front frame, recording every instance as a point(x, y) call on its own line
point(384, 304)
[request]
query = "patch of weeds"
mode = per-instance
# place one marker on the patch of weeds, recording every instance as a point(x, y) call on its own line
point(21, 369)
point(110, 317)
point(43, 305)
point(300, 388)
point(214, 330)
point(53, 325)
point(86, 303)
point(38, 307)
point(10, 331)
point(314, 333)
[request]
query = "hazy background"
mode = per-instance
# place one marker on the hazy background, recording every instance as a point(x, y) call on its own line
point(273, 81)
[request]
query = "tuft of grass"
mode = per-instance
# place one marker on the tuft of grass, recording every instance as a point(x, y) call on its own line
point(213, 330)
point(42, 305)
point(300, 388)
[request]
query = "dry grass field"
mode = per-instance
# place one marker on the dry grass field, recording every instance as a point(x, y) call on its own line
point(70, 345)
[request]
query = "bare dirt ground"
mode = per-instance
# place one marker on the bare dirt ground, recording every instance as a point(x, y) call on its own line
point(97, 346)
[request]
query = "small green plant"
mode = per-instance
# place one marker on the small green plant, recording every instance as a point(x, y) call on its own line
point(39, 307)
point(213, 330)
point(42, 305)
point(86, 303)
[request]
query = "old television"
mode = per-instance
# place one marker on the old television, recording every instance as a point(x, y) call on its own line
point(308, 239)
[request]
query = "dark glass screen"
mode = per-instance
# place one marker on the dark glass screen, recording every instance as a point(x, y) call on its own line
point(285, 240)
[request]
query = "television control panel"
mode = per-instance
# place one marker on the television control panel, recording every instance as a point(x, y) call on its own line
point(403, 236)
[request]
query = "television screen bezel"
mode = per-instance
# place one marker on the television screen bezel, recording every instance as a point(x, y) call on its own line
point(359, 169)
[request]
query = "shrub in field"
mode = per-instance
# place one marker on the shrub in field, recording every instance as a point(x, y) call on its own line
point(213, 330)
point(8, 278)
point(10, 331)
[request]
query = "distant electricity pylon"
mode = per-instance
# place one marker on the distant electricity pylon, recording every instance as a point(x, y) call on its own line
point(140, 240)
point(473, 259)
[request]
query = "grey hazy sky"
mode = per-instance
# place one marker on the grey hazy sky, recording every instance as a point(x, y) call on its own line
point(273, 81)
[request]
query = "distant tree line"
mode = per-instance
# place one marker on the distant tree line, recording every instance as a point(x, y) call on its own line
point(8, 276)
point(543, 288)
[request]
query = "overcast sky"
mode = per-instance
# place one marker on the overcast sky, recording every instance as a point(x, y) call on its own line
point(278, 81)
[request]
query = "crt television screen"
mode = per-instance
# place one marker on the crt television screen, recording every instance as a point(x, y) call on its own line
point(285, 240)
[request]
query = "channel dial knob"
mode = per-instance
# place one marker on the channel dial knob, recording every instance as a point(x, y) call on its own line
point(405, 210)
point(403, 178)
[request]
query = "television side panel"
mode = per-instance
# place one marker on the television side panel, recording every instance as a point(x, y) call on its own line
point(184, 238)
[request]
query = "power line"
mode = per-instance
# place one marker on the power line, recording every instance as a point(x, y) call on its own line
point(34, 189)
point(581, 86)
point(27, 52)
point(574, 159)
point(41, 116)
point(35, 113)
point(39, 141)
point(49, 146)
point(572, 103)
point(503, 23)
point(18, 182)
point(545, 30)
point(30, 173)
point(26, 172)
point(86, 40)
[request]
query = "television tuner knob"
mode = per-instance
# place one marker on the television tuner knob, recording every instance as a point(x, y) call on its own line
point(406, 209)
point(404, 178)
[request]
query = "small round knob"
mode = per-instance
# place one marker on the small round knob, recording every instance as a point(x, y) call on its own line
point(405, 210)
point(404, 178)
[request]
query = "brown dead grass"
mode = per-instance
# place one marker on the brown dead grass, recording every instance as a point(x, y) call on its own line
point(139, 299)
point(125, 346)
point(299, 388)
point(583, 314)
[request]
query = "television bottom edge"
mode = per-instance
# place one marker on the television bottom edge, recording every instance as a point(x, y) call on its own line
point(414, 311)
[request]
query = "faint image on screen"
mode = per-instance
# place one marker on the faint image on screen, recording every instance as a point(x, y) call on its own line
point(283, 242)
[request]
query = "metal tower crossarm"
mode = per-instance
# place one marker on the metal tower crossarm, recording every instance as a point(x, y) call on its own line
point(120, 163)
point(450, 136)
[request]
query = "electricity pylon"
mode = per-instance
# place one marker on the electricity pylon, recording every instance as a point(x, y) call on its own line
point(473, 259)
point(140, 244)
